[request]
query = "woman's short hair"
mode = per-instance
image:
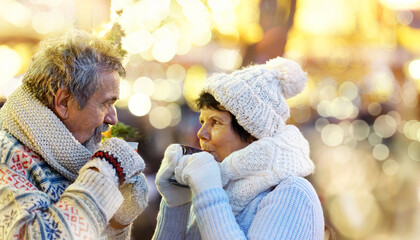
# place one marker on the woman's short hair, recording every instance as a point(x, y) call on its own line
point(206, 100)
point(75, 61)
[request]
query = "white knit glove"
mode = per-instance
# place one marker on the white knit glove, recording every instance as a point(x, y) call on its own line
point(124, 159)
point(173, 195)
point(200, 171)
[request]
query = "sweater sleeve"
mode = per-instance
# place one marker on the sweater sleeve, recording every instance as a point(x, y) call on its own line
point(171, 222)
point(82, 212)
point(291, 211)
point(214, 215)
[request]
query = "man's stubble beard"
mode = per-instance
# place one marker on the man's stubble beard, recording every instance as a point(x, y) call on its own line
point(92, 144)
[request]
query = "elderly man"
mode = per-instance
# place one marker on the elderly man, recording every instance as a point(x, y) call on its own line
point(57, 181)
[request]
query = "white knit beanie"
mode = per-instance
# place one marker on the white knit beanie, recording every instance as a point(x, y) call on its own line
point(257, 95)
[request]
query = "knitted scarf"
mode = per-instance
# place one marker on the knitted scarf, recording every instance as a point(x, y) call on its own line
point(37, 127)
point(264, 164)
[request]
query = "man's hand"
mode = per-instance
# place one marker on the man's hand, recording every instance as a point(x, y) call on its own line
point(124, 159)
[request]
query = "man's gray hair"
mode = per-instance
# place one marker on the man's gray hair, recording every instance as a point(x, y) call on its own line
point(74, 61)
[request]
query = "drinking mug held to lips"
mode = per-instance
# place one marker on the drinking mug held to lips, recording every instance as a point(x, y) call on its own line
point(186, 150)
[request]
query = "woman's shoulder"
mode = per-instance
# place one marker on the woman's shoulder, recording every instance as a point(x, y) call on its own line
point(294, 186)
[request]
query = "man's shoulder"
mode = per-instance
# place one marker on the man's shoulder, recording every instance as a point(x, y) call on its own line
point(7, 143)
point(16, 155)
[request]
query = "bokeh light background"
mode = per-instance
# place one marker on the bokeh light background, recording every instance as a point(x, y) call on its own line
point(359, 110)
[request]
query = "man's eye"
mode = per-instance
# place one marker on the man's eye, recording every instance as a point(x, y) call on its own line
point(109, 104)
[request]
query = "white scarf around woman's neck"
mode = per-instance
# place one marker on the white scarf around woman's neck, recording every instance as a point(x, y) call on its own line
point(264, 164)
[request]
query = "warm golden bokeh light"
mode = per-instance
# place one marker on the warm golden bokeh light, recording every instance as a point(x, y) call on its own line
point(359, 109)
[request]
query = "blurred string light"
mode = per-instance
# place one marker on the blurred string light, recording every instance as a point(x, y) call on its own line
point(355, 214)
point(160, 117)
point(227, 59)
point(176, 115)
point(405, 17)
point(167, 90)
point(161, 29)
point(390, 167)
point(385, 126)
point(47, 22)
point(139, 104)
point(144, 85)
point(194, 80)
point(359, 130)
point(10, 64)
point(380, 152)
point(414, 68)
point(401, 4)
point(125, 89)
point(176, 72)
point(414, 151)
point(332, 135)
point(325, 17)
point(409, 94)
point(410, 97)
point(16, 13)
point(338, 102)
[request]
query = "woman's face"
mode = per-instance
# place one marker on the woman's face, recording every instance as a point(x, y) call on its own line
point(216, 134)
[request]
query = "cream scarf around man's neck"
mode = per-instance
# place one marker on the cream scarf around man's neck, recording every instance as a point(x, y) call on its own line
point(37, 127)
point(264, 164)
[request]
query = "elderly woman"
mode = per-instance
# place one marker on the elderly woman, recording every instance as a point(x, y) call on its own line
point(247, 183)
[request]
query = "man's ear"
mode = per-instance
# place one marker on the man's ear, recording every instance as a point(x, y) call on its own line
point(61, 103)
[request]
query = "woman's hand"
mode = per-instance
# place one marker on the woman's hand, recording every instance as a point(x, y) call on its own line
point(173, 195)
point(200, 171)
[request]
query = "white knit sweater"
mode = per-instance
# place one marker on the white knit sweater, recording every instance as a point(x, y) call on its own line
point(264, 164)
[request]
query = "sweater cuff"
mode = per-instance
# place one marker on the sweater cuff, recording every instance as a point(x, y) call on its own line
point(210, 197)
point(172, 221)
point(101, 189)
point(120, 234)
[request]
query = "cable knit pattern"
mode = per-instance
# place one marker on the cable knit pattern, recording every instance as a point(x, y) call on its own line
point(37, 127)
point(264, 164)
point(256, 95)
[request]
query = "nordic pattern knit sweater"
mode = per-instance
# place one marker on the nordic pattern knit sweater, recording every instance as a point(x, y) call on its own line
point(290, 211)
point(38, 203)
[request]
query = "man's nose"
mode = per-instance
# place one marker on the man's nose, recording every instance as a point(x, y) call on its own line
point(111, 117)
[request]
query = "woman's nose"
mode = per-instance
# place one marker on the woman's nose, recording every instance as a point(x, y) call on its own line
point(203, 133)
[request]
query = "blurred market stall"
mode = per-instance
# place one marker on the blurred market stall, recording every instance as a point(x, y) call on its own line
point(360, 109)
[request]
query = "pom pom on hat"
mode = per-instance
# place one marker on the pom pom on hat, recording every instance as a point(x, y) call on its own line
point(291, 76)
point(256, 95)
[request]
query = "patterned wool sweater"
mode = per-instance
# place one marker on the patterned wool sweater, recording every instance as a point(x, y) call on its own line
point(42, 194)
point(36, 202)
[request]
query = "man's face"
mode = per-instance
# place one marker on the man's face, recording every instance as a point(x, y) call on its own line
point(98, 113)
